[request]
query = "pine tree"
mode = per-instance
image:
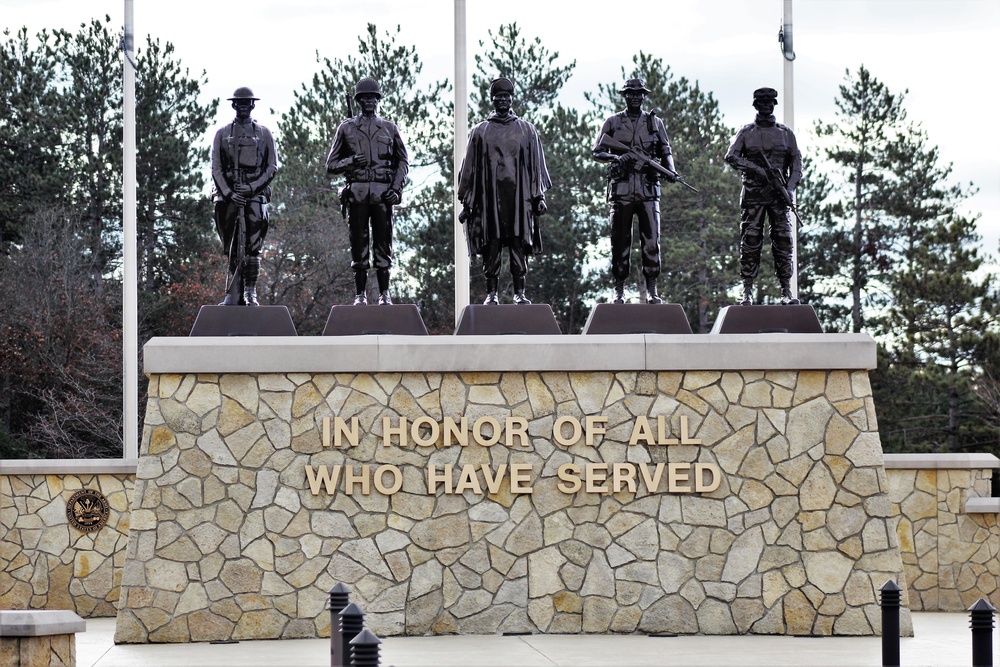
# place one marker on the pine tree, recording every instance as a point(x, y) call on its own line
point(28, 145)
point(860, 141)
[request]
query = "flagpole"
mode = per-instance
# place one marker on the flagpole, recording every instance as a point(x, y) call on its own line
point(130, 335)
point(788, 53)
point(461, 139)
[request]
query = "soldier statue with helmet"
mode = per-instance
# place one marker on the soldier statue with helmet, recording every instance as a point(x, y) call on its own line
point(370, 152)
point(244, 162)
point(634, 185)
point(766, 153)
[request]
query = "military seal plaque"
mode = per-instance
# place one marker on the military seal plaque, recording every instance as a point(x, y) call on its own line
point(88, 510)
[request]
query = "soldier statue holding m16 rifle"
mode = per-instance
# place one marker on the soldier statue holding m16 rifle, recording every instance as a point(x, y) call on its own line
point(244, 162)
point(767, 154)
point(634, 143)
point(369, 150)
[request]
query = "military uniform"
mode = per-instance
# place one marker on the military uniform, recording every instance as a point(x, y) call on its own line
point(243, 152)
point(634, 191)
point(757, 145)
point(368, 186)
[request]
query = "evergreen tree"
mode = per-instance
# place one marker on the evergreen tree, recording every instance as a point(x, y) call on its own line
point(944, 312)
point(698, 232)
point(860, 146)
point(173, 216)
point(60, 382)
point(88, 111)
point(28, 144)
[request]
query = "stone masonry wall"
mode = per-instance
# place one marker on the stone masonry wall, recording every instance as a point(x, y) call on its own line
point(227, 540)
point(46, 564)
point(951, 558)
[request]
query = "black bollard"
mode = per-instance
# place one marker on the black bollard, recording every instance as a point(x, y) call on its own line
point(890, 597)
point(364, 650)
point(339, 598)
point(352, 622)
point(981, 622)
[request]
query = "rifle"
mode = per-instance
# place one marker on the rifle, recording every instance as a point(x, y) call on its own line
point(240, 241)
point(778, 182)
point(350, 108)
point(642, 159)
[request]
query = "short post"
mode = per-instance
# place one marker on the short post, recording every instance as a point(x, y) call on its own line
point(981, 622)
point(352, 622)
point(339, 598)
point(364, 650)
point(889, 601)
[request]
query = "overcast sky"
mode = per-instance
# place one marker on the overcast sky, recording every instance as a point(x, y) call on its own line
point(944, 52)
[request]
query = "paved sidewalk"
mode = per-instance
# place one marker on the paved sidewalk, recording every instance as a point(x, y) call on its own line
point(941, 640)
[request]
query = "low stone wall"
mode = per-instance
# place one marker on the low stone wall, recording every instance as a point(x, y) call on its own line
point(611, 492)
point(948, 533)
point(45, 563)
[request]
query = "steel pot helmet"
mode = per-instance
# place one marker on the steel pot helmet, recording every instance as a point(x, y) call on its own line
point(367, 86)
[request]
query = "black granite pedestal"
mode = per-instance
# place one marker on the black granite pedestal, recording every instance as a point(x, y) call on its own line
point(399, 319)
point(501, 319)
point(243, 321)
point(637, 318)
point(799, 318)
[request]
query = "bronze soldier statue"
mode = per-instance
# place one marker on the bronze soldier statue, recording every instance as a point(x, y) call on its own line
point(502, 187)
point(370, 151)
point(244, 162)
point(767, 154)
point(634, 185)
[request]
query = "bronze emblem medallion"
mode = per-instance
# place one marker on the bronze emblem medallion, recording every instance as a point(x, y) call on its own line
point(88, 510)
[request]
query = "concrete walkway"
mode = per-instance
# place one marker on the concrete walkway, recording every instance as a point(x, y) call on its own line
point(941, 640)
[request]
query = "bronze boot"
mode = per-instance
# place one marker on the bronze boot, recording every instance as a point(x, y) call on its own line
point(250, 273)
point(491, 292)
point(747, 299)
point(786, 294)
point(519, 297)
point(360, 288)
point(619, 293)
point(382, 276)
point(651, 295)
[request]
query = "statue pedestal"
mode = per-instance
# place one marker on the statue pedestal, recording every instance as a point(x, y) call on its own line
point(799, 318)
point(505, 319)
point(243, 321)
point(637, 318)
point(402, 319)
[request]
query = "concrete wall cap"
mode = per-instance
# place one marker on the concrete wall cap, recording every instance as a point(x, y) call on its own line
point(40, 623)
point(68, 466)
point(441, 354)
point(982, 506)
point(940, 461)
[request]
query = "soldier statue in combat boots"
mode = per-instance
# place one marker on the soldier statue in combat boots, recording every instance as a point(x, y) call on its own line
point(244, 162)
point(369, 150)
point(766, 153)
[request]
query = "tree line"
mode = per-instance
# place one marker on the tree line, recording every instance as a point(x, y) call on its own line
point(883, 246)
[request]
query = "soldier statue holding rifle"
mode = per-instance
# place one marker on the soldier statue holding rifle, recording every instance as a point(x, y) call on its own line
point(244, 161)
point(634, 143)
point(369, 150)
point(767, 154)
